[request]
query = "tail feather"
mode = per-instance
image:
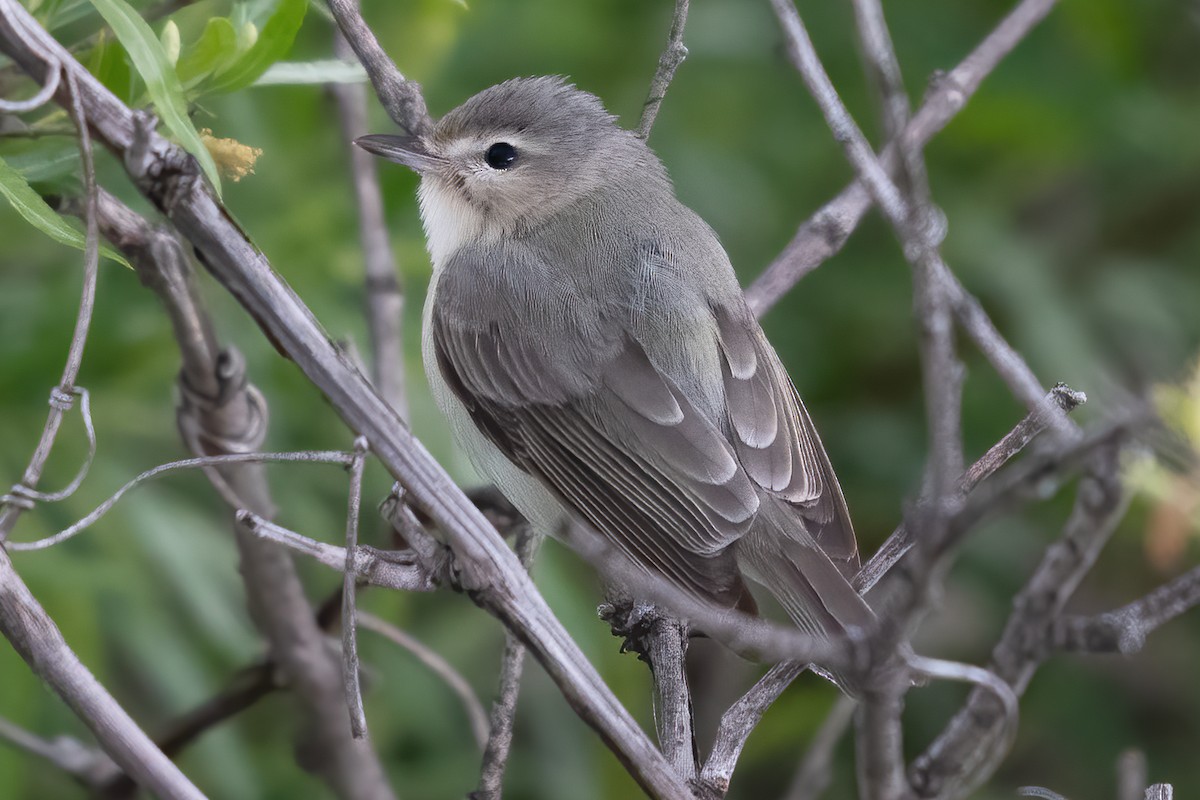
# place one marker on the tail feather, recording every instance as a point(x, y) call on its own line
point(809, 586)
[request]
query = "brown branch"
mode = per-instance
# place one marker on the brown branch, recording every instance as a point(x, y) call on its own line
point(672, 56)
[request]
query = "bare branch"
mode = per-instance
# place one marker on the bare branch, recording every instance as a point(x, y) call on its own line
point(674, 718)
point(504, 708)
point(350, 665)
point(900, 542)
point(37, 639)
point(306, 456)
point(439, 666)
point(668, 62)
point(883, 69)
point(88, 765)
point(737, 723)
point(400, 97)
point(1125, 629)
point(383, 295)
point(824, 233)
point(391, 569)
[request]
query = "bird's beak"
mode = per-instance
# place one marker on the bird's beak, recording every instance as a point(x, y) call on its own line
point(407, 150)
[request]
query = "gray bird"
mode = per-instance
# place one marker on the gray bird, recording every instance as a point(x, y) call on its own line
point(586, 337)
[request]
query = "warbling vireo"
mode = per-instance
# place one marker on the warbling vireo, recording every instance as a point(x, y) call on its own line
point(587, 338)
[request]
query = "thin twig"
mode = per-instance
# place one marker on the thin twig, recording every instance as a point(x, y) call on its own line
point(383, 294)
point(504, 707)
point(304, 456)
point(393, 569)
point(672, 56)
point(439, 666)
point(62, 396)
point(89, 765)
point(350, 665)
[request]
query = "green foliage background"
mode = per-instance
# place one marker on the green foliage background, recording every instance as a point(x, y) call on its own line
point(1072, 187)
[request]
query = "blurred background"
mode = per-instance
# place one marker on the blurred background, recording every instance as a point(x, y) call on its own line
point(1071, 184)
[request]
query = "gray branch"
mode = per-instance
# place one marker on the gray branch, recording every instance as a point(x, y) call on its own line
point(400, 97)
point(965, 750)
point(504, 708)
point(672, 56)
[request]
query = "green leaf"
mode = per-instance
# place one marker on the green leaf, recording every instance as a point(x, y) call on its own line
point(331, 70)
point(273, 43)
point(162, 83)
point(110, 65)
point(216, 48)
point(48, 161)
point(30, 205)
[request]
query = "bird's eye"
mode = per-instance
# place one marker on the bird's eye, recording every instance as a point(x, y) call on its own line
point(501, 155)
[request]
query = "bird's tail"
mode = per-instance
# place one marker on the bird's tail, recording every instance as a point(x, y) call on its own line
point(786, 561)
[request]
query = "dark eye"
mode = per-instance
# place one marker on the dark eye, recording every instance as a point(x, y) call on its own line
point(501, 155)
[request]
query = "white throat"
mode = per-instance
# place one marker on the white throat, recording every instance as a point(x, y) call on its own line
point(449, 221)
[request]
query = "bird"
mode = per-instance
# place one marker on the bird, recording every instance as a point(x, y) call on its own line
point(586, 337)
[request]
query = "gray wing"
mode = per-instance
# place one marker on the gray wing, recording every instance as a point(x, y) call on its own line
point(616, 441)
point(775, 439)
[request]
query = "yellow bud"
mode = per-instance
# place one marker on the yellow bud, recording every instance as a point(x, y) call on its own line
point(234, 159)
